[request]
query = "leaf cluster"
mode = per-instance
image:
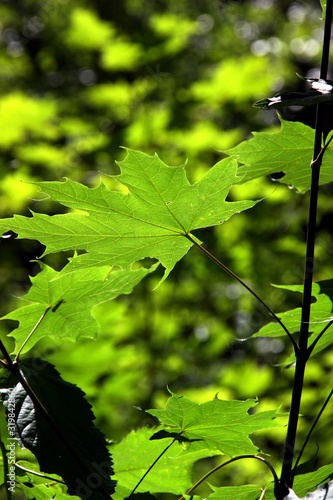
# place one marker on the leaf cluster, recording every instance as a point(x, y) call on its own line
point(151, 210)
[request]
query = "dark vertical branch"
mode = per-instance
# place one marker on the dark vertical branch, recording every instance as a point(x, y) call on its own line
point(302, 355)
point(310, 432)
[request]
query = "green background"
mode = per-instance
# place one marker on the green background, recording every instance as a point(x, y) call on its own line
point(81, 79)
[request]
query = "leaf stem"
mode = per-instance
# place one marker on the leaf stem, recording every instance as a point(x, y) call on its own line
point(241, 457)
point(32, 331)
point(315, 342)
point(310, 432)
point(6, 355)
point(302, 355)
point(150, 468)
point(248, 288)
point(38, 474)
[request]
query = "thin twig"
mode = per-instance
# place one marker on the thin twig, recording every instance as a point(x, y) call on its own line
point(310, 432)
point(5, 353)
point(241, 457)
point(322, 151)
point(38, 474)
point(248, 288)
point(150, 468)
point(315, 342)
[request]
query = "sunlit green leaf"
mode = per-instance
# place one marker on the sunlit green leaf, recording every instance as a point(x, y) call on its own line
point(44, 492)
point(153, 220)
point(137, 452)
point(306, 482)
point(324, 491)
point(244, 492)
point(323, 6)
point(321, 316)
point(289, 151)
point(215, 425)
point(68, 299)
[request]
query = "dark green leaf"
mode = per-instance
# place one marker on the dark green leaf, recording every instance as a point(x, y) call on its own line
point(66, 404)
point(293, 99)
point(322, 91)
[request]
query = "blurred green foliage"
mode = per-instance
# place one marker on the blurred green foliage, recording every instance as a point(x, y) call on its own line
point(80, 79)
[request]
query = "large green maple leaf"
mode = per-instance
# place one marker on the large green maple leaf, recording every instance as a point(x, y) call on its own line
point(215, 425)
point(68, 299)
point(154, 220)
point(289, 151)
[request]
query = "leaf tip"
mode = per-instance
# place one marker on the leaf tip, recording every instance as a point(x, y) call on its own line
point(262, 104)
point(164, 277)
